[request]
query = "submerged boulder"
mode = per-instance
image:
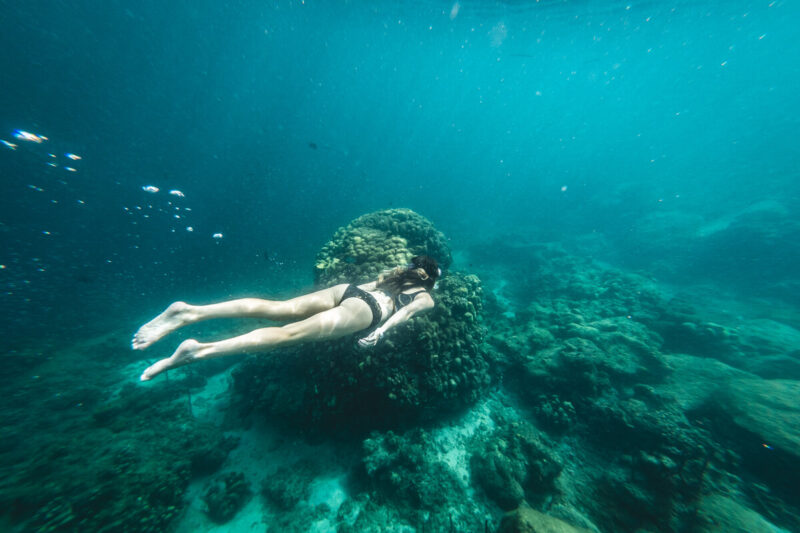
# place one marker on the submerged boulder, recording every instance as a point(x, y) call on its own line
point(426, 367)
point(718, 514)
point(528, 520)
point(515, 465)
point(226, 496)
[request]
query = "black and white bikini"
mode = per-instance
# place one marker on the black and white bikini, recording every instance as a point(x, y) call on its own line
point(401, 300)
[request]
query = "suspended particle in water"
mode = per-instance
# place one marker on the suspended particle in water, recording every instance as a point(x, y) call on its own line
point(150, 188)
point(73, 157)
point(563, 188)
point(189, 229)
point(454, 10)
point(177, 193)
point(217, 236)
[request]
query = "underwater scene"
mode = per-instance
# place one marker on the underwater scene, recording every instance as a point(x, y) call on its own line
point(400, 266)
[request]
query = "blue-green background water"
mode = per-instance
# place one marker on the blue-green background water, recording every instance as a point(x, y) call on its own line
point(655, 137)
point(476, 120)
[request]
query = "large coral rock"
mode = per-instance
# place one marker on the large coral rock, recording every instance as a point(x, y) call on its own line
point(719, 514)
point(426, 367)
point(514, 465)
point(376, 241)
point(763, 347)
point(401, 468)
point(766, 408)
point(226, 496)
point(527, 520)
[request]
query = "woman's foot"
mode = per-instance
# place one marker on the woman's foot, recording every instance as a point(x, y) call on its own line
point(187, 352)
point(175, 316)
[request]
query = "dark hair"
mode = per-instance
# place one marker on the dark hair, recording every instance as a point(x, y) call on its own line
point(422, 271)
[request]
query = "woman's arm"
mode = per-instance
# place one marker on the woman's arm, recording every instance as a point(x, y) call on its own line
point(420, 304)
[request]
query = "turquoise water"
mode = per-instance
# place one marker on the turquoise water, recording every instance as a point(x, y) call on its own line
point(608, 170)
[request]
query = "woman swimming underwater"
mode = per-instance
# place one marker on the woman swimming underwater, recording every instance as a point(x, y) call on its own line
point(370, 309)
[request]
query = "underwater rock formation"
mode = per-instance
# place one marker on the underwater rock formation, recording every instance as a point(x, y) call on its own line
point(399, 469)
point(763, 347)
point(288, 485)
point(515, 466)
point(126, 468)
point(429, 366)
point(584, 352)
point(527, 520)
point(755, 246)
point(719, 514)
point(360, 251)
point(226, 496)
point(406, 474)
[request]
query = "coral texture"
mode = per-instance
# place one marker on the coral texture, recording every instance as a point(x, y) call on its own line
point(358, 252)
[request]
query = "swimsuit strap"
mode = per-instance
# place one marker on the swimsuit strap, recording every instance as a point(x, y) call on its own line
point(404, 298)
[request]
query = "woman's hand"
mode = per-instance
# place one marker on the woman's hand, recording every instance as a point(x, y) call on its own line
point(372, 339)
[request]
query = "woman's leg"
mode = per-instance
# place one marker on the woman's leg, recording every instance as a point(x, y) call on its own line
point(351, 316)
point(180, 314)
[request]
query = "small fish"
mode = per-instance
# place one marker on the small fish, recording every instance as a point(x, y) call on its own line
point(189, 229)
point(312, 145)
point(9, 145)
point(70, 169)
point(74, 157)
point(767, 446)
point(217, 236)
point(28, 136)
point(176, 192)
point(150, 188)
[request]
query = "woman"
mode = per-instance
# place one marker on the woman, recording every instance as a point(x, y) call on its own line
point(370, 309)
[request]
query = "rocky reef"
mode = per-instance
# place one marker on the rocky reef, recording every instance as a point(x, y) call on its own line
point(754, 247)
point(555, 393)
point(226, 495)
point(432, 365)
point(647, 390)
point(617, 407)
point(122, 464)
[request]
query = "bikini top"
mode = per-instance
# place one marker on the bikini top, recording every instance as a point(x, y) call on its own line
point(403, 299)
